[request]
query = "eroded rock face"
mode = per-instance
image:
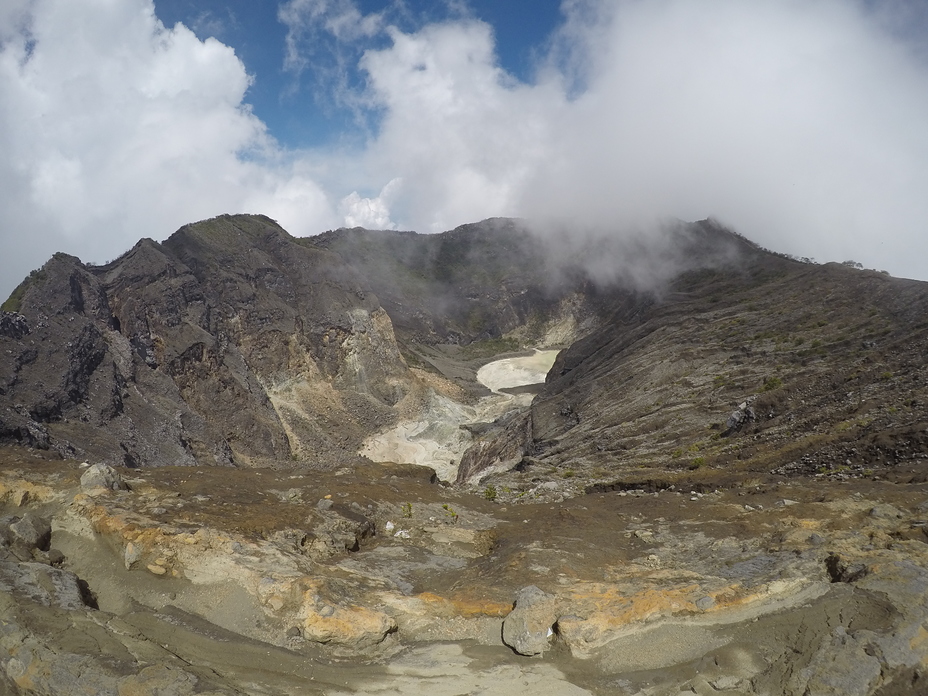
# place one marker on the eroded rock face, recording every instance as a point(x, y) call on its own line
point(230, 343)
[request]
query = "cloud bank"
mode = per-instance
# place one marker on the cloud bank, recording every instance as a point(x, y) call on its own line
point(803, 124)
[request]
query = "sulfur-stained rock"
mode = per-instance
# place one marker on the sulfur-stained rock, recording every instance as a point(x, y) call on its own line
point(529, 627)
point(355, 628)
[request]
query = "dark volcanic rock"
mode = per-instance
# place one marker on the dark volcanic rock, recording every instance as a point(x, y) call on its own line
point(824, 365)
point(229, 343)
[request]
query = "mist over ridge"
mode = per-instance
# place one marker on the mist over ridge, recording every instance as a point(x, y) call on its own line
point(802, 125)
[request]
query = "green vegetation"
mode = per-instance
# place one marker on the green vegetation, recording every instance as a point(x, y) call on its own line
point(771, 383)
point(449, 512)
point(407, 510)
point(489, 348)
point(490, 492)
point(697, 462)
point(15, 301)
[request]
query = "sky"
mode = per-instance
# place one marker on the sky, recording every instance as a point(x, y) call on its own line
point(802, 124)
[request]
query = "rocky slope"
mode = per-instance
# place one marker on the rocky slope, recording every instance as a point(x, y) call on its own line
point(719, 488)
point(781, 367)
point(227, 344)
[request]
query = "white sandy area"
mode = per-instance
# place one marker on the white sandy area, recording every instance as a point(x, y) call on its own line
point(444, 670)
point(516, 372)
point(436, 438)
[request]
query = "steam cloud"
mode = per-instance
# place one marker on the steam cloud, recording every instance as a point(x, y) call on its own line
point(802, 124)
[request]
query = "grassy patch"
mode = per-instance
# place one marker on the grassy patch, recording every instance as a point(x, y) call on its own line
point(15, 301)
point(771, 383)
point(490, 347)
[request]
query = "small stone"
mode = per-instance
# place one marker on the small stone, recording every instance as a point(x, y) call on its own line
point(748, 508)
point(156, 569)
point(132, 555)
point(786, 503)
point(325, 504)
point(705, 603)
point(294, 632)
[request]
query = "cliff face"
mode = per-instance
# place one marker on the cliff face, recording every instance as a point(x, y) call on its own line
point(228, 344)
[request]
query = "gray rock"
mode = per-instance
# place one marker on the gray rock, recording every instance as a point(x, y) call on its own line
point(726, 682)
point(42, 584)
point(103, 476)
point(529, 627)
point(884, 511)
point(31, 531)
point(131, 555)
point(841, 667)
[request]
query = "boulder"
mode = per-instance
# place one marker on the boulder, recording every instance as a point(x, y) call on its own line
point(355, 628)
point(42, 584)
point(103, 476)
point(31, 531)
point(529, 627)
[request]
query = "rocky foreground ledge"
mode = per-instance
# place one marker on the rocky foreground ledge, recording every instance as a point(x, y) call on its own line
point(377, 580)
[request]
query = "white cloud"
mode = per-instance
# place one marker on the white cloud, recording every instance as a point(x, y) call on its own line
point(372, 213)
point(114, 127)
point(464, 137)
point(803, 124)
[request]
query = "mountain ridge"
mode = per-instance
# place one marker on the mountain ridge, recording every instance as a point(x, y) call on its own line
point(719, 487)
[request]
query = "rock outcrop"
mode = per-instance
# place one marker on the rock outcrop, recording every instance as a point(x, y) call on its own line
point(757, 589)
point(230, 343)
